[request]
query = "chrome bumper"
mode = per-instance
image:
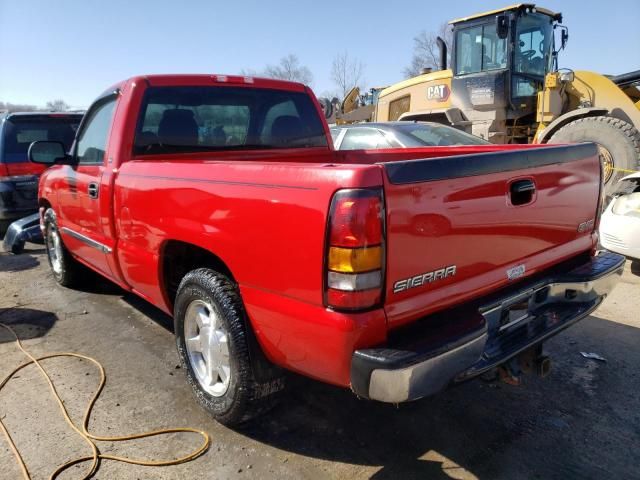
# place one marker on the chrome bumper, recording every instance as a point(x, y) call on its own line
point(24, 230)
point(409, 371)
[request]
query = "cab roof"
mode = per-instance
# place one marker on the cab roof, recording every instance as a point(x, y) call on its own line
point(515, 6)
point(170, 80)
point(42, 113)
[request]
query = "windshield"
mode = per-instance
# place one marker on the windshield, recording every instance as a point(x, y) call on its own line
point(533, 44)
point(478, 49)
point(191, 119)
point(20, 132)
point(433, 135)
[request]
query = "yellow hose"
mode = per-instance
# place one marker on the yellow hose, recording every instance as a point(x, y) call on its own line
point(88, 437)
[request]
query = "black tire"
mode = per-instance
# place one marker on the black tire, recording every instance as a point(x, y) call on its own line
point(17, 248)
point(250, 392)
point(620, 138)
point(70, 272)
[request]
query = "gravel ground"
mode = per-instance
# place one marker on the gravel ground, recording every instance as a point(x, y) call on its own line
point(583, 421)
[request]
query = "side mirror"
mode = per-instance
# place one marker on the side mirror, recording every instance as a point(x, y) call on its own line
point(47, 153)
point(564, 37)
point(502, 26)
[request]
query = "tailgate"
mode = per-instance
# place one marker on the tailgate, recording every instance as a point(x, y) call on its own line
point(462, 226)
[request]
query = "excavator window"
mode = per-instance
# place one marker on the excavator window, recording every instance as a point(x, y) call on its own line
point(479, 49)
point(532, 55)
point(534, 37)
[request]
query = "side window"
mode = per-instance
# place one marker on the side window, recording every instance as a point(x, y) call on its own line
point(363, 138)
point(92, 141)
point(469, 50)
point(478, 49)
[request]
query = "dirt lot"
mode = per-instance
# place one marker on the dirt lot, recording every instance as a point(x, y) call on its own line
point(581, 422)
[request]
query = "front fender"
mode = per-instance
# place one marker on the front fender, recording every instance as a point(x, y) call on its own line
point(562, 120)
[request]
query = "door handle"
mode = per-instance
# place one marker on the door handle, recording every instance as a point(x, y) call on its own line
point(93, 190)
point(522, 191)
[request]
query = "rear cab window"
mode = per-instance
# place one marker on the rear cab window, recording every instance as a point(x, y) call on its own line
point(192, 119)
point(21, 130)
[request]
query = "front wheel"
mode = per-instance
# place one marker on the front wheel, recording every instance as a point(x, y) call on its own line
point(213, 343)
point(66, 270)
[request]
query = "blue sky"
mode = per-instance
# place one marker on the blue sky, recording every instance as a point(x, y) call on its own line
point(74, 49)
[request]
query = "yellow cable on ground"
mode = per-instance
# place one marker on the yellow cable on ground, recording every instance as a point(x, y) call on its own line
point(84, 433)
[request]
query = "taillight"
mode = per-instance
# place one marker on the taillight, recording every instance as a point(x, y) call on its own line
point(354, 273)
point(4, 171)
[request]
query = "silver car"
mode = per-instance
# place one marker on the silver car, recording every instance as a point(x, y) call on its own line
point(367, 136)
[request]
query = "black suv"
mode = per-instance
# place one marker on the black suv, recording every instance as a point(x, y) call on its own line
point(19, 177)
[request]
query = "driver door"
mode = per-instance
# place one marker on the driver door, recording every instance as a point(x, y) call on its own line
point(80, 201)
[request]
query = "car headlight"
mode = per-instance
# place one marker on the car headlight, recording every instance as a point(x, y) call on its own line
point(627, 205)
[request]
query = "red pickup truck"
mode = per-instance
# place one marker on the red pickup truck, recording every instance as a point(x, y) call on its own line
point(396, 272)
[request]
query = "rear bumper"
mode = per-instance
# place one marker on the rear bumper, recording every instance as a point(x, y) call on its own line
point(24, 230)
point(455, 346)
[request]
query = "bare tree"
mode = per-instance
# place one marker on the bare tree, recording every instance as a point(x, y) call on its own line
point(289, 68)
point(346, 72)
point(426, 53)
point(16, 107)
point(57, 105)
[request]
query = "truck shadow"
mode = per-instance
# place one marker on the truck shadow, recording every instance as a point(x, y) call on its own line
point(541, 429)
point(27, 323)
point(479, 429)
point(17, 263)
point(151, 311)
point(635, 267)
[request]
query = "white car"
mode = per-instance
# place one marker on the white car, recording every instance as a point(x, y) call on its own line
point(620, 223)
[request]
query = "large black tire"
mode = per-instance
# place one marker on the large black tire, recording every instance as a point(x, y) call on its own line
point(619, 138)
point(250, 392)
point(66, 270)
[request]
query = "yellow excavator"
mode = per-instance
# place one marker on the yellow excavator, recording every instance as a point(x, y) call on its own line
point(354, 108)
point(504, 85)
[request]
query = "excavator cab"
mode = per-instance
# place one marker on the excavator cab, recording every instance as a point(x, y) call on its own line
point(504, 85)
point(499, 62)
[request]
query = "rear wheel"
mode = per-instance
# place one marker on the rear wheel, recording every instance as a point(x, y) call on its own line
point(618, 145)
point(214, 345)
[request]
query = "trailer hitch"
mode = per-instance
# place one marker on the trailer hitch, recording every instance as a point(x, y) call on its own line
point(531, 360)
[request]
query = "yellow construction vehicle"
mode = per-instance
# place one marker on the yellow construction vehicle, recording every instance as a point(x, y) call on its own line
point(504, 85)
point(354, 108)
